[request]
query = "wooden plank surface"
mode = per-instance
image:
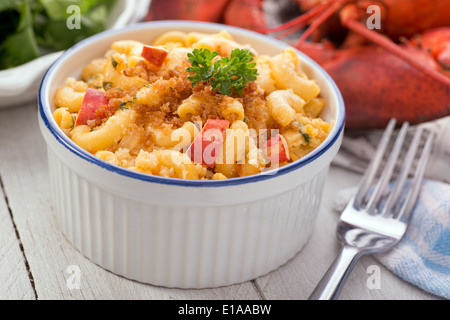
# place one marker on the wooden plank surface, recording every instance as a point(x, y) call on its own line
point(14, 280)
point(52, 260)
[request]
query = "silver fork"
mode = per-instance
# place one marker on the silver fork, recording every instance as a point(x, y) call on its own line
point(376, 218)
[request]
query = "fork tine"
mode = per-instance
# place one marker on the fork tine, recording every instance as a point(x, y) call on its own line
point(385, 177)
point(416, 182)
point(404, 173)
point(371, 170)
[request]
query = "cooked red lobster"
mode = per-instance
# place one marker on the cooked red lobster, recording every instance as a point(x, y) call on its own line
point(400, 70)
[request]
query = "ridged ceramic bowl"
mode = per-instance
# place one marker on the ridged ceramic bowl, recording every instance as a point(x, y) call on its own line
point(183, 233)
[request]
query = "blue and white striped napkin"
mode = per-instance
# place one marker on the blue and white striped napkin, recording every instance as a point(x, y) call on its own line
point(422, 257)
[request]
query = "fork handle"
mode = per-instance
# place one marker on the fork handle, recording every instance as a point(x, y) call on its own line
point(334, 279)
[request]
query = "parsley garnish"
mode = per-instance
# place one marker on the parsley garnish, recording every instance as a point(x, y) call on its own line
point(107, 85)
point(228, 75)
point(306, 136)
point(123, 104)
point(114, 63)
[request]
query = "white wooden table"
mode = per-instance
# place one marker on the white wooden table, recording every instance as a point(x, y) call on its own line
point(35, 257)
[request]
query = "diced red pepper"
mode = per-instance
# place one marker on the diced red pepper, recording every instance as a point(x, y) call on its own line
point(206, 146)
point(91, 107)
point(154, 55)
point(276, 149)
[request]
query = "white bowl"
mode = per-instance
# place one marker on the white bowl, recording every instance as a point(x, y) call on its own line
point(15, 89)
point(183, 233)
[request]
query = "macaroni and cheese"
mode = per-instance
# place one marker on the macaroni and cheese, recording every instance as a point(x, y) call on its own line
point(136, 108)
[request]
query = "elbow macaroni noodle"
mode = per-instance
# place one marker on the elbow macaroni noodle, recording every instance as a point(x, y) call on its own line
point(154, 114)
point(111, 132)
point(284, 105)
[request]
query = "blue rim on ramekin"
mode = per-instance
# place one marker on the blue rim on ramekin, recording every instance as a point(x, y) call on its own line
point(45, 115)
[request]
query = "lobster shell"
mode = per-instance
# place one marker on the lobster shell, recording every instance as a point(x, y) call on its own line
point(401, 18)
point(406, 18)
point(437, 42)
point(200, 10)
point(377, 86)
point(248, 14)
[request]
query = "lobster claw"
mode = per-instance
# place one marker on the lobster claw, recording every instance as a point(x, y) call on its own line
point(377, 86)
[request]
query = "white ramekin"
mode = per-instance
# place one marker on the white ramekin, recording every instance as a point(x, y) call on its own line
point(183, 233)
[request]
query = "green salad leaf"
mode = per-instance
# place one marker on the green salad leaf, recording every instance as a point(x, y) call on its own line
point(51, 22)
point(32, 27)
point(57, 9)
point(17, 41)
